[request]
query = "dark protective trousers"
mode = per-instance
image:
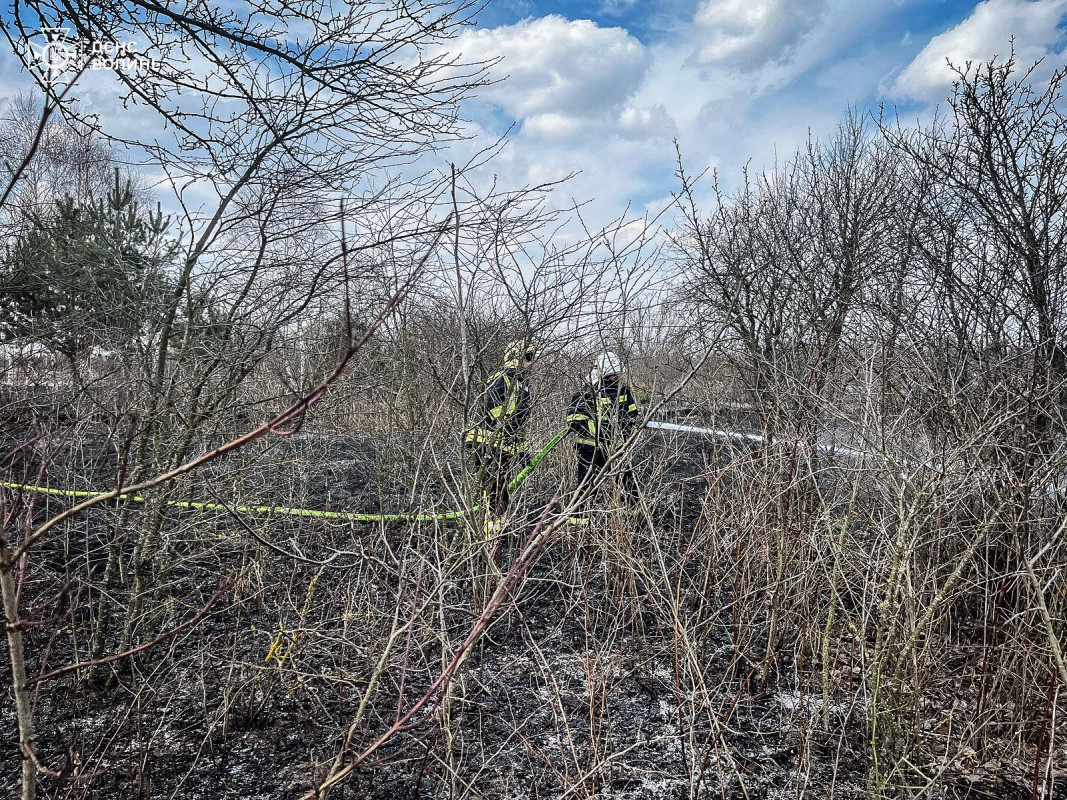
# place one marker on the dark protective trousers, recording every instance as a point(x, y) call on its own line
point(591, 461)
point(493, 468)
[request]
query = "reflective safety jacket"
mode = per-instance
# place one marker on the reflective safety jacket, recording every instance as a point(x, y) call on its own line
point(507, 408)
point(602, 414)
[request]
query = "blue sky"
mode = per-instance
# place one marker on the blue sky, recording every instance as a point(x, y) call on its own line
point(603, 88)
point(654, 20)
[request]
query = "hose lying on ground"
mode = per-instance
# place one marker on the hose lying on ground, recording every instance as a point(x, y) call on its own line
point(352, 516)
point(348, 516)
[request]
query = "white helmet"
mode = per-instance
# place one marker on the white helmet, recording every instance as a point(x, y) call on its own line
point(607, 363)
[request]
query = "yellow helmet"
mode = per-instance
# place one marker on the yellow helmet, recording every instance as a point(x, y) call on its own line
point(517, 351)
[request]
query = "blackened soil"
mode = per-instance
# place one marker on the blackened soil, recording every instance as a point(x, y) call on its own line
point(538, 711)
point(579, 689)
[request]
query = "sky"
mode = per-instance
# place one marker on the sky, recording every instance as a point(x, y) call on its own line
point(605, 88)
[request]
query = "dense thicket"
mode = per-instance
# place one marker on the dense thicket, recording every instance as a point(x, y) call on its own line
point(861, 599)
point(903, 290)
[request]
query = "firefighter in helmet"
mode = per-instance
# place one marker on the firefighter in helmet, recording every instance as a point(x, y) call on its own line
point(499, 441)
point(602, 415)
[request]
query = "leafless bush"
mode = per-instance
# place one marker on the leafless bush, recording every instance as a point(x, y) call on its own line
point(858, 590)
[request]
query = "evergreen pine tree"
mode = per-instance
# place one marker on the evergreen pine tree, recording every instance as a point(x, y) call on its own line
point(91, 274)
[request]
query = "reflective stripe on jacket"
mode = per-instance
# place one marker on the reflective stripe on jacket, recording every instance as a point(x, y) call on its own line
point(601, 414)
point(507, 407)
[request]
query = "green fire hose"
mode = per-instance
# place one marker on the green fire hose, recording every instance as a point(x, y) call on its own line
point(349, 516)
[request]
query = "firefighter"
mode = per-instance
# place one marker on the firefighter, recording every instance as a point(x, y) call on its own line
point(602, 415)
point(500, 440)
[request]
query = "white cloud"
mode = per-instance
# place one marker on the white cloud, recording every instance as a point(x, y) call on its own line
point(576, 90)
point(617, 6)
point(746, 34)
point(985, 33)
point(558, 67)
point(572, 85)
point(553, 125)
point(633, 122)
point(645, 122)
point(597, 102)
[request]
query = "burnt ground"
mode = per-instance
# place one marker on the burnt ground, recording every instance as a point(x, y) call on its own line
point(574, 692)
point(534, 670)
